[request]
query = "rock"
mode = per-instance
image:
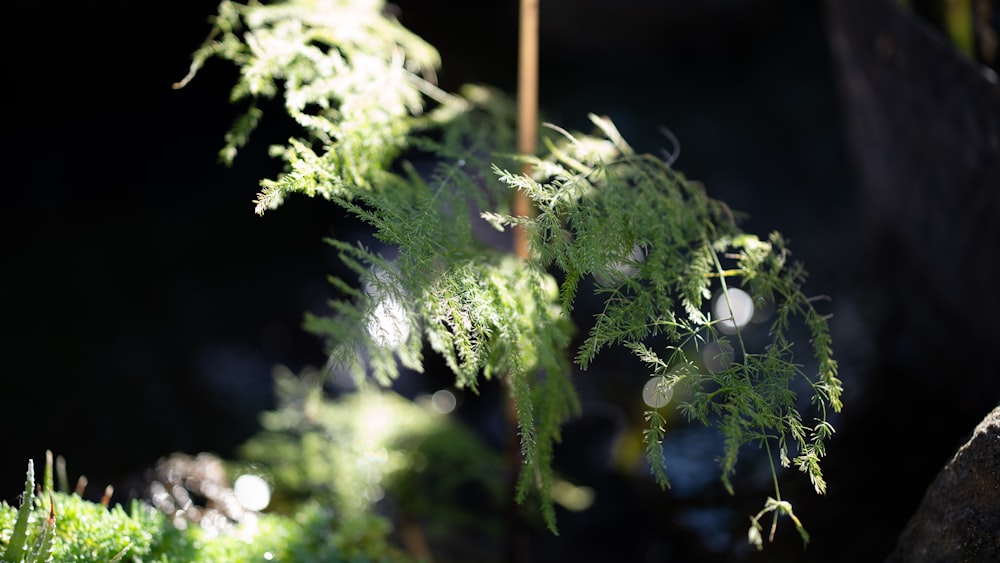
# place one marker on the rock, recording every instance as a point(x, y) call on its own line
point(958, 519)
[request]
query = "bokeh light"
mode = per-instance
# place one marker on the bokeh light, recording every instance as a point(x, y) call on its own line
point(657, 392)
point(443, 401)
point(716, 357)
point(572, 497)
point(388, 324)
point(623, 269)
point(252, 492)
point(734, 313)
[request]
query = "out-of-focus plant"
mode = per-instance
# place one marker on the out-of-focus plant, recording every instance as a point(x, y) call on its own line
point(348, 453)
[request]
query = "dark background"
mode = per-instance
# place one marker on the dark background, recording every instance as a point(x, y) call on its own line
point(143, 304)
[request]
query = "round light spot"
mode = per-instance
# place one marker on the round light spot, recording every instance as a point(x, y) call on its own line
point(252, 492)
point(739, 315)
point(715, 357)
point(657, 392)
point(443, 401)
point(388, 324)
point(622, 269)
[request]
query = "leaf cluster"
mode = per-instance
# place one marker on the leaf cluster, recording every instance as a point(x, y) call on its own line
point(358, 90)
point(655, 242)
point(352, 77)
point(428, 170)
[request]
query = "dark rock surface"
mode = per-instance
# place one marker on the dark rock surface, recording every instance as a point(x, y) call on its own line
point(959, 518)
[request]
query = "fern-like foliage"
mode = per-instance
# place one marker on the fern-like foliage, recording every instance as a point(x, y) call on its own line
point(354, 79)
point(360, 87)
point(656, 243)
point(351, 76)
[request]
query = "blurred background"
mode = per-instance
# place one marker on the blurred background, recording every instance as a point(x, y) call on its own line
point(144, 305)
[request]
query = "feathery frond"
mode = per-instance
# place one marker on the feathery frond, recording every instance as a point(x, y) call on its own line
point(360, 88)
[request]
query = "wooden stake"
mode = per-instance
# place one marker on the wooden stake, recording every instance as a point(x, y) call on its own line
point(527, 107)
point(518, 541)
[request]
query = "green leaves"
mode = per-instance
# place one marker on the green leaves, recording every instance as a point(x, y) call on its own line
point(353, 78)
point(655, 244)
point(64, 527)
point(359, 88)
point(778, 508)
point(15, 549)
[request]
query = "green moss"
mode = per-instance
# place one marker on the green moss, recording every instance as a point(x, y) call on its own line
point(85, 531)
